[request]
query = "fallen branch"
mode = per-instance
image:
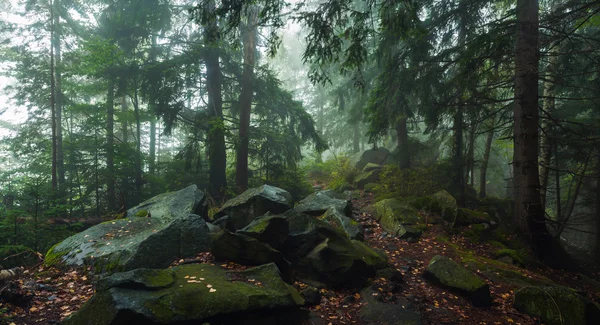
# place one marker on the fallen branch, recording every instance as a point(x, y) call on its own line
point(11, 273)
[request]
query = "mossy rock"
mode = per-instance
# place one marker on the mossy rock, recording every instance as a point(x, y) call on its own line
point(373, 311)
point(351, 227)
point(556, 305)
point(370, 187)
point(196, 293)
point(513, 254)
point(253, 203)
point(450, 274)
point(131, 243)
point(243, 249)
point(323, 255)
point(270, 229)
point(173, 205)
point(318, 203)
point(397, 217)
point(465, 217)
point(364, 178)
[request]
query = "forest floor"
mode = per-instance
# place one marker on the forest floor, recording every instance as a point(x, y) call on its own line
point(50, 295)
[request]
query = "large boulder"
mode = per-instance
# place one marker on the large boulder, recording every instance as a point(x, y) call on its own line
point(197, 293)
point(465, 217)
point(556, 305)
point(351, 227)
point(450, 274)
point(131, 243)
point(444, 204)
point(270, 229)
point(318, 203)
point(367, 177)
point(243, 249)
point(379, 156)
point(398, 218)
point(254, 203)
point(172, 205)
point(324, 256)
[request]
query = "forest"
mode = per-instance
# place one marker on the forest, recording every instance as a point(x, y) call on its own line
point(358, 149)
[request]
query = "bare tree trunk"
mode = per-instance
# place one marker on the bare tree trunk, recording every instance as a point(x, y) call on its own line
point(529, 213)
point(60, 156)
point(138, 146)
point(356, 137)
point(152, 111)
point(548, 105)
point(403, 147)
point(598, 207)
point(471, 155)
point(249, 35)
point(216, 133)
point(124, 127)
point(53, 104)
point(110, 146)
point(486, 160)
point(457, 157)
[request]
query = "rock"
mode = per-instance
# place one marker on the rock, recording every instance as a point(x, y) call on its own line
point(224, 222)
point(243, 249)
point(270, 229)
point(311, 295)
point(325, 256)
point(450, 274)
point(196, 293)
point(131, 243)
point(391, 274)
point(337, 263)
point(556, 305)
point(379, 156)
point(374, 311)
point(351, 227)
point(371, 166)
point(398, 218)
point(254, 203)
point(444, 204)
point(318, 203)
point(364, 178)
point(172, 205)
point(465, 217)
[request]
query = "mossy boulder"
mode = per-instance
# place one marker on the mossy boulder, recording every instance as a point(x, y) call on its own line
point(131, 243)
point(449, 274)
point(516, 257)
point(444, 204)
point(370, 167)
point(351, 227)
point(318, 203)
point(465, 217)
point(556, 305)
point(364, 178)
point(172, 205)
point(379, 156)
point(243, 249)
point(324, 255)
point(398, 218)
point(197, 293)
point(254, 203)
point(270, 229)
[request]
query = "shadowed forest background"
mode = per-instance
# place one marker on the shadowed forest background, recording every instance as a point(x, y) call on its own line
point(108, 103)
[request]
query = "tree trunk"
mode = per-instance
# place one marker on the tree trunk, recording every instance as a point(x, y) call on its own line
point(152, 113)
point(110, 146)
point(138, 147)
point(60, 156)
point(216, 133)
point(124, 128)
point(403, 147)
point(471, 154)
point(356, 137)
point(548, 104)
point(457, 157)
point(486, 160)
point(53, 104)
point(249, 34)
point(598, 207)
point(529, 213)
